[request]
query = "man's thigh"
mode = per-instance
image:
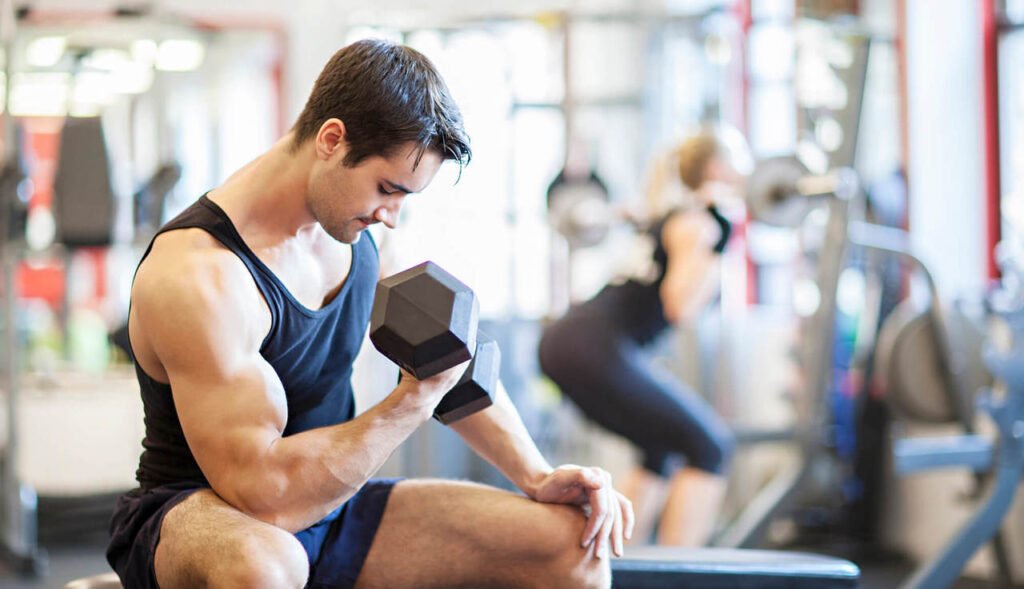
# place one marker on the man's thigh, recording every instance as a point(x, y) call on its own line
point(450, 534)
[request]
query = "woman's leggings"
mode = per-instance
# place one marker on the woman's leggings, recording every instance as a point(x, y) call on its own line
point(615, 384)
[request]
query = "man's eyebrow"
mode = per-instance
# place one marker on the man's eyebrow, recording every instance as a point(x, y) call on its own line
point(398, 187)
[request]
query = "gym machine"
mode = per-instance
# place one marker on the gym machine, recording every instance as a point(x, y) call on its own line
point(997, 462)
point(931, 362)
point(1002, 458)
point(782, 192)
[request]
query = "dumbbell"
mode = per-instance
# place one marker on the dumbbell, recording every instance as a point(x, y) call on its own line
point(426, 321)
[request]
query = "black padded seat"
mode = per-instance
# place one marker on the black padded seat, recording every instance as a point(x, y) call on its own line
point(656, 567)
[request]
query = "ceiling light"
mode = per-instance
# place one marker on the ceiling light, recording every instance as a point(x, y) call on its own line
point(106, 59)
point(179, 55)
point(132, 78)
point(144, 51)
point(39, 94)
point(45, 51)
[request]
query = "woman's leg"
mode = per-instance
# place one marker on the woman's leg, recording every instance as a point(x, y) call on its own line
point(647, 492)
point(691, 508)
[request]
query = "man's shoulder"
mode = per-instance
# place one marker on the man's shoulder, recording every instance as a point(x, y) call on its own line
point(190, 264)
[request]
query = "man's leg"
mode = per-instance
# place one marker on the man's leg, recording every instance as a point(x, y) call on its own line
point(459, 534)
point(204, 542)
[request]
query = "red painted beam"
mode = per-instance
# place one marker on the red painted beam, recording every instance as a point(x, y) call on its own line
point(741, 10)
point(990, 134)
point(902, 89)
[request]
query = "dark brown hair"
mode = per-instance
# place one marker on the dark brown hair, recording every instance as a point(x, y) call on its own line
point(387, 95)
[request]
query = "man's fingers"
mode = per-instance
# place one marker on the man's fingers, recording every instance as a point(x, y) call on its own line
point(604, 495)
point(604, 537)
point(594, 521)
point(628, 517)
point(610, 517)
point(599, 511)
point(593, 478)
point(617, 528)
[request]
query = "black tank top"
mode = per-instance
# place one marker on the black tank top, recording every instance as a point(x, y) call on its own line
point(634, 304)
point(311, 351)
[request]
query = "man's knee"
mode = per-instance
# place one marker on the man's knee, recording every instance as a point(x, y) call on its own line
point(569, 563)
point(264, 561)
point(583, 569)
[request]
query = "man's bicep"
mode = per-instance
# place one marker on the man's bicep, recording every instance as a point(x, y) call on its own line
point(229, 401)
point(229, 421)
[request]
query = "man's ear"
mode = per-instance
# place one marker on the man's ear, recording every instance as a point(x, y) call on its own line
point(331, 138)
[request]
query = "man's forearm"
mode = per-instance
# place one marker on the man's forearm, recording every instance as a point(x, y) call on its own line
point(306, 476)
point(497, 435)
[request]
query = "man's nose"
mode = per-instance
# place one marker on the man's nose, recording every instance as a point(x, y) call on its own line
point(388, 215)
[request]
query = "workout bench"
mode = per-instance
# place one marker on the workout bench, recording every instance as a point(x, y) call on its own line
point(657, 567)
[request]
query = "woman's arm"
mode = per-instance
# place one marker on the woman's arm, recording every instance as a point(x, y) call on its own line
point(692, 275)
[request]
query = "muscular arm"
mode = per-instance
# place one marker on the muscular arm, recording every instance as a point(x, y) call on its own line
point(692, 275)
point(199, 316)
point(497, 435)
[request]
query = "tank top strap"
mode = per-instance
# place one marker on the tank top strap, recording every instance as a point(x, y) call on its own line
point(206, 215)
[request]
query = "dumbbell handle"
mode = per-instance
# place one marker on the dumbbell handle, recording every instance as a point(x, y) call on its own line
point(475, 390)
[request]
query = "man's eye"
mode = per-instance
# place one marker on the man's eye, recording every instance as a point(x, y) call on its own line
point(381, 189)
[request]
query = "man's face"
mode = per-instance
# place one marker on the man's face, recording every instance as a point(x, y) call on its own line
point(345, 201)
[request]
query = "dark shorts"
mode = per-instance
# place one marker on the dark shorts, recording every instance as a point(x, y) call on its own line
point(336, 546)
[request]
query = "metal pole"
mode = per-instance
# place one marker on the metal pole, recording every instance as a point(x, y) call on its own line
point(18, 537)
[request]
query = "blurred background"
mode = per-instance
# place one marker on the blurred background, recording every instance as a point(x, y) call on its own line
point(119, 115)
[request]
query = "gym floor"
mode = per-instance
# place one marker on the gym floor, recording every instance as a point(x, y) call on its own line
point(84, 557)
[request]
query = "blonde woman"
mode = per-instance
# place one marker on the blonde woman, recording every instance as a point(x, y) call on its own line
point(598, 354)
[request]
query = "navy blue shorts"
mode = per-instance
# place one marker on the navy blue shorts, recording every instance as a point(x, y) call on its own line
point(337, 546)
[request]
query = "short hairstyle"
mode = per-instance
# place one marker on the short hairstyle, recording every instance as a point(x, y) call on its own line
point(387, 95)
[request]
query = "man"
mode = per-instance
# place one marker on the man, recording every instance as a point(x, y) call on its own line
point(247, 312)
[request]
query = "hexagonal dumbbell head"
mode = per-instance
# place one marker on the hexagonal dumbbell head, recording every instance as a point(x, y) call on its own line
point(424, 319)
point(475, 390)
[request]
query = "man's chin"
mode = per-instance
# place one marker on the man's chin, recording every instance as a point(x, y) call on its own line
point(349, 237)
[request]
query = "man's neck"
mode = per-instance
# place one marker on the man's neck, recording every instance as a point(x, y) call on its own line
point(267, 197)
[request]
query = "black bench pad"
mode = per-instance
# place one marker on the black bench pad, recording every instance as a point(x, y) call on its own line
point(656, 567)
